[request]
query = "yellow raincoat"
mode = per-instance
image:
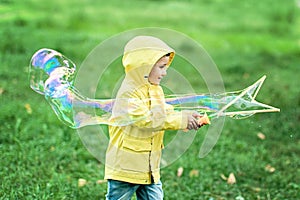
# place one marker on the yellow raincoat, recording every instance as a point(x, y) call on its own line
point(134, 151)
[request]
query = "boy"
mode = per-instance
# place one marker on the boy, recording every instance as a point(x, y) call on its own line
point(134, 151)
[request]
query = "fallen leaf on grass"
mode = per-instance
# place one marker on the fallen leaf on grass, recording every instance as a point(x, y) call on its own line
point(261, 136)
point(223, 177)
point(270, 169)
point(179, 171)
point(81, 182)
point(194, 173)
point(256, 189)
point(1, 91)
point(28, 108)
point(101, 181)
point(231, 179)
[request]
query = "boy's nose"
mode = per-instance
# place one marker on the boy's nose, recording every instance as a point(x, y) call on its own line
point(164, 73)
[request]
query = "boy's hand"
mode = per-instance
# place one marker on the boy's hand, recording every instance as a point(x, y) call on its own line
point(193, 121)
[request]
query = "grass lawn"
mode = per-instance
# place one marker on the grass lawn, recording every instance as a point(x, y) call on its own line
point(43, 159)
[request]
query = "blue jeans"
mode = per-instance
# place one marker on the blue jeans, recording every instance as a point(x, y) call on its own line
point(118, 190)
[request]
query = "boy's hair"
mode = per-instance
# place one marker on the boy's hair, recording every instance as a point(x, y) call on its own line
point(168, 55)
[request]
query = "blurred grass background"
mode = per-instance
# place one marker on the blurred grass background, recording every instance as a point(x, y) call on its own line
point(42, 159)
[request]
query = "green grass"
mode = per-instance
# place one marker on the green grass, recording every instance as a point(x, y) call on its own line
point(43, 159)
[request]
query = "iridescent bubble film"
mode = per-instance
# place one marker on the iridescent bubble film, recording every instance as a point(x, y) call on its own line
point(52, 75)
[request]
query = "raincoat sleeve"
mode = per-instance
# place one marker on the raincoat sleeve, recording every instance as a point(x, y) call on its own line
point(156, 114)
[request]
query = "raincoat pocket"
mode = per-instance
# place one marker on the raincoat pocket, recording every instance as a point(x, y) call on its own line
point(135, 155)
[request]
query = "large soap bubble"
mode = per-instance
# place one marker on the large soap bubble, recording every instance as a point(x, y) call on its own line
point(52, 75)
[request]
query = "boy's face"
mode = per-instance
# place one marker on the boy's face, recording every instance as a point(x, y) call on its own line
point(158, 71)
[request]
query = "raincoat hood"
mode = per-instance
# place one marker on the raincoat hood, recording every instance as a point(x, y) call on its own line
point(140, 55)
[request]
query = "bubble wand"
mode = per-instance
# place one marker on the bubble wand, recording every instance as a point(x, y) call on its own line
point(52, 75)
point(238, 104)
